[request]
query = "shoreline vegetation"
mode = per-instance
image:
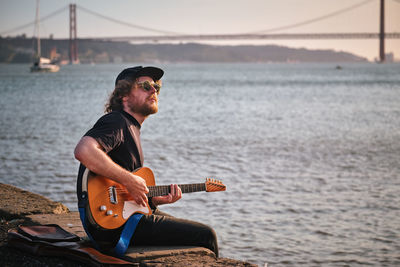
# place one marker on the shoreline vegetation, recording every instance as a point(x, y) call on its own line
point(21, 49)
point(21, 207)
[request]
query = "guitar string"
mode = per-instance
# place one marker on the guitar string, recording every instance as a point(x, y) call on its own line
point(163, 188)
point(158, 190)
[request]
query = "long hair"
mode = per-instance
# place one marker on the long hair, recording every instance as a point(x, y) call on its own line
point(122, 89)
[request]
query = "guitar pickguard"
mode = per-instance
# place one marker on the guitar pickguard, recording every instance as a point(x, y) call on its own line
point(131, 207)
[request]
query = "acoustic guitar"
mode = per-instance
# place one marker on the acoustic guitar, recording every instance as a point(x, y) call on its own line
point(111, 205)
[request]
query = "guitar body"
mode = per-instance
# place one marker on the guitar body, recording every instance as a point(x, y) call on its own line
point(110, 204)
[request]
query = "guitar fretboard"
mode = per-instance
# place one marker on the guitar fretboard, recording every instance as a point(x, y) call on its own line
point(162, 190)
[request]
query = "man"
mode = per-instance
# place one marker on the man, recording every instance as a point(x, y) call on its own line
point(112, 149)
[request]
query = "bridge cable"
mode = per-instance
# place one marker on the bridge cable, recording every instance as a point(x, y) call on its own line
point(125, 23)
point(33, 23)
point(298, 24)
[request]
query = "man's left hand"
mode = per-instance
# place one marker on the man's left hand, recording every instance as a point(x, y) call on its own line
point(173, 196)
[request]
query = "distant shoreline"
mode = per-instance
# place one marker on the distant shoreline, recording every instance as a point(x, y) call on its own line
point(21, 50)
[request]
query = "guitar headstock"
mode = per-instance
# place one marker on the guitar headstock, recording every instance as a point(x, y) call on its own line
point(213, 185)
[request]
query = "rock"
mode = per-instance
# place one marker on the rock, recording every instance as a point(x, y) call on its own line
point(16, 203)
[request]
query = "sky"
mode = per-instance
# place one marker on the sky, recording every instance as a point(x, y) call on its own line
point(213, 17)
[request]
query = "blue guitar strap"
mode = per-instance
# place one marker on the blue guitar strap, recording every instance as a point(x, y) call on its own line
point(125, 237)
point(127, 233)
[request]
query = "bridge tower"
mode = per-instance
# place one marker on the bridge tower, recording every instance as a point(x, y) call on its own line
point(73, 46)
point(382, 33)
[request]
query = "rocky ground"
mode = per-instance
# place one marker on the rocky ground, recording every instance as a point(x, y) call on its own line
point(17, 207)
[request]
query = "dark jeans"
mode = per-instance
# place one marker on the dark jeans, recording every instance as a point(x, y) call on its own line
point(162, 229)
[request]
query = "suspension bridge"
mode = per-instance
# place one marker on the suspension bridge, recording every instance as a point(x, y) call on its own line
point(267, 34)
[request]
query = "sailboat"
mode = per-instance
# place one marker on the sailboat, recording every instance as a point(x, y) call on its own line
point(41, 64)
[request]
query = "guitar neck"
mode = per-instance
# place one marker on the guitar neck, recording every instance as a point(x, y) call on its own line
point(162, 190)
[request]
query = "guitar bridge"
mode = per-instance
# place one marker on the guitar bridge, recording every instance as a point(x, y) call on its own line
point(112, 191)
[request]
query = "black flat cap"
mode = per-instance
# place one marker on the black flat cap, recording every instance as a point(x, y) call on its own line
point(139, 71)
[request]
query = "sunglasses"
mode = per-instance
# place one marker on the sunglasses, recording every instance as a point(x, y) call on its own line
point(147, 86)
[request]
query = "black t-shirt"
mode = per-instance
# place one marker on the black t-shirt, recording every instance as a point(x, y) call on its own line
point(119, 135)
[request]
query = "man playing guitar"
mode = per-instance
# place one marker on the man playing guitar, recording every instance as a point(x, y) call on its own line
point(111, 148)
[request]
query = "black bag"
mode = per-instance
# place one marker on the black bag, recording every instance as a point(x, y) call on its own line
point(52, 240)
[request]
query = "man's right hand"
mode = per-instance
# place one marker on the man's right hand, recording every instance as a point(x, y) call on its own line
point(136, 186)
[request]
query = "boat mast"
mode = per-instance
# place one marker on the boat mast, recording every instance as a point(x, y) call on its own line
point(37, 29)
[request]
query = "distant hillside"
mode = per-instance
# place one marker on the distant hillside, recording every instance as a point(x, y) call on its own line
point(20, 50)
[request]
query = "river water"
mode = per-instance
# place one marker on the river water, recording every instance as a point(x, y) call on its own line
point(310, 154)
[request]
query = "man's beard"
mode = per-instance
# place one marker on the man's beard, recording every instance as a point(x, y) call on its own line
point(144, 110)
